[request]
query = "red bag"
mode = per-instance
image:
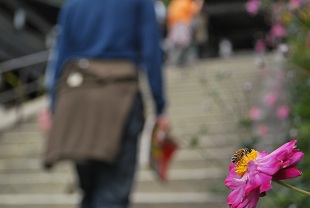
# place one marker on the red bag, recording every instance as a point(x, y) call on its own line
point(163, 147)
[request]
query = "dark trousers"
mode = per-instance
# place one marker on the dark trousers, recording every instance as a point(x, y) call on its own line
point(109, 186)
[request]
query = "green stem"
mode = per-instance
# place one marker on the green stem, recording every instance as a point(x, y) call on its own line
point(292, 188)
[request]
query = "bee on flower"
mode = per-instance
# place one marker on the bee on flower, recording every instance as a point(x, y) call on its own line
point(251, 173)
point(239, 154)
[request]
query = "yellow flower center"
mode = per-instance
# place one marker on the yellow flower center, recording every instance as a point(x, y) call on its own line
point(242, 164)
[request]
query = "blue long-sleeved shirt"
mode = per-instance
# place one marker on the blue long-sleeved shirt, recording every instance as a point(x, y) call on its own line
point(110, 29)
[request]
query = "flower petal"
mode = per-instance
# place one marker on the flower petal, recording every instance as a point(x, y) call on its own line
point(284, 149)
point(286, 173)
point(268, 165)
point(233, 180)
point(294, 158)
point(254, 197)
point(234, 183)
point(250, 200)
point(235, 197)
point(258, 180)
point(266, 183)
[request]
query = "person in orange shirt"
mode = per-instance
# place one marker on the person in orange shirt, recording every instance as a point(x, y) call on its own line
point(181, 11)
point(180, 17)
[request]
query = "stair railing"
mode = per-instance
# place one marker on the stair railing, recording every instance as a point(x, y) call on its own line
point(21, 77)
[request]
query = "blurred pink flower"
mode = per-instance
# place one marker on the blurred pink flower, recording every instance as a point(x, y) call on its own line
point(252, 7)
point(270, 99)
point(263, 130)
point(295, 3)
point(260, 46)
point(255, 113)
point(283, 112)
point(278, 31)
point(250, 177)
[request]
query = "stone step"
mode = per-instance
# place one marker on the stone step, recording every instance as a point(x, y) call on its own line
point(171, 200)
point(20, 150)
point(206, 85)
point(216, 73)
point(35, 136)
point(31, 143)
point(29, 125)
point(56, 184)
point(183, 127)
point(143, 177)
point(203, 112)
point(33, 165)
point(22, 137)
point(204, 79)
point(45, 177)
point(17, 158)
point(200, 184)
point(220, 204)
point(140, 205)
point(30, 164)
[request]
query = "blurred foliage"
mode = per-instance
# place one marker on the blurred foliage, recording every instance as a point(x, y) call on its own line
point(301, 111)
point(290, 24)
point(245, 122)
point(293, 18)
point(298, 34)
point(300, 116)
point(166, 2)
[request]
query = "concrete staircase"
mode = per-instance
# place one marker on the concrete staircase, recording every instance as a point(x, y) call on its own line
point(205, 102)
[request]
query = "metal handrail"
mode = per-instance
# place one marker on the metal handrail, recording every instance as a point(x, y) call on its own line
point(18, 93)
point(24, 61)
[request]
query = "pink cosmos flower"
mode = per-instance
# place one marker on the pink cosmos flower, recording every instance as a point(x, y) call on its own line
point(295, 3)
point(283, 112)
point(271, 99)
point(255, 113)
point(252, 7)
point(250, 177)
point(278, 31)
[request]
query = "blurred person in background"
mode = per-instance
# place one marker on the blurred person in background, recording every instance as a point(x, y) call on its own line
point(200, 30)
point(111, 31)
point(181, 24)
point(161, 16)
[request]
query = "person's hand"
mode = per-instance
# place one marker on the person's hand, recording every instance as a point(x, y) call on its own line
point(45, 120)
point(163, 123)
